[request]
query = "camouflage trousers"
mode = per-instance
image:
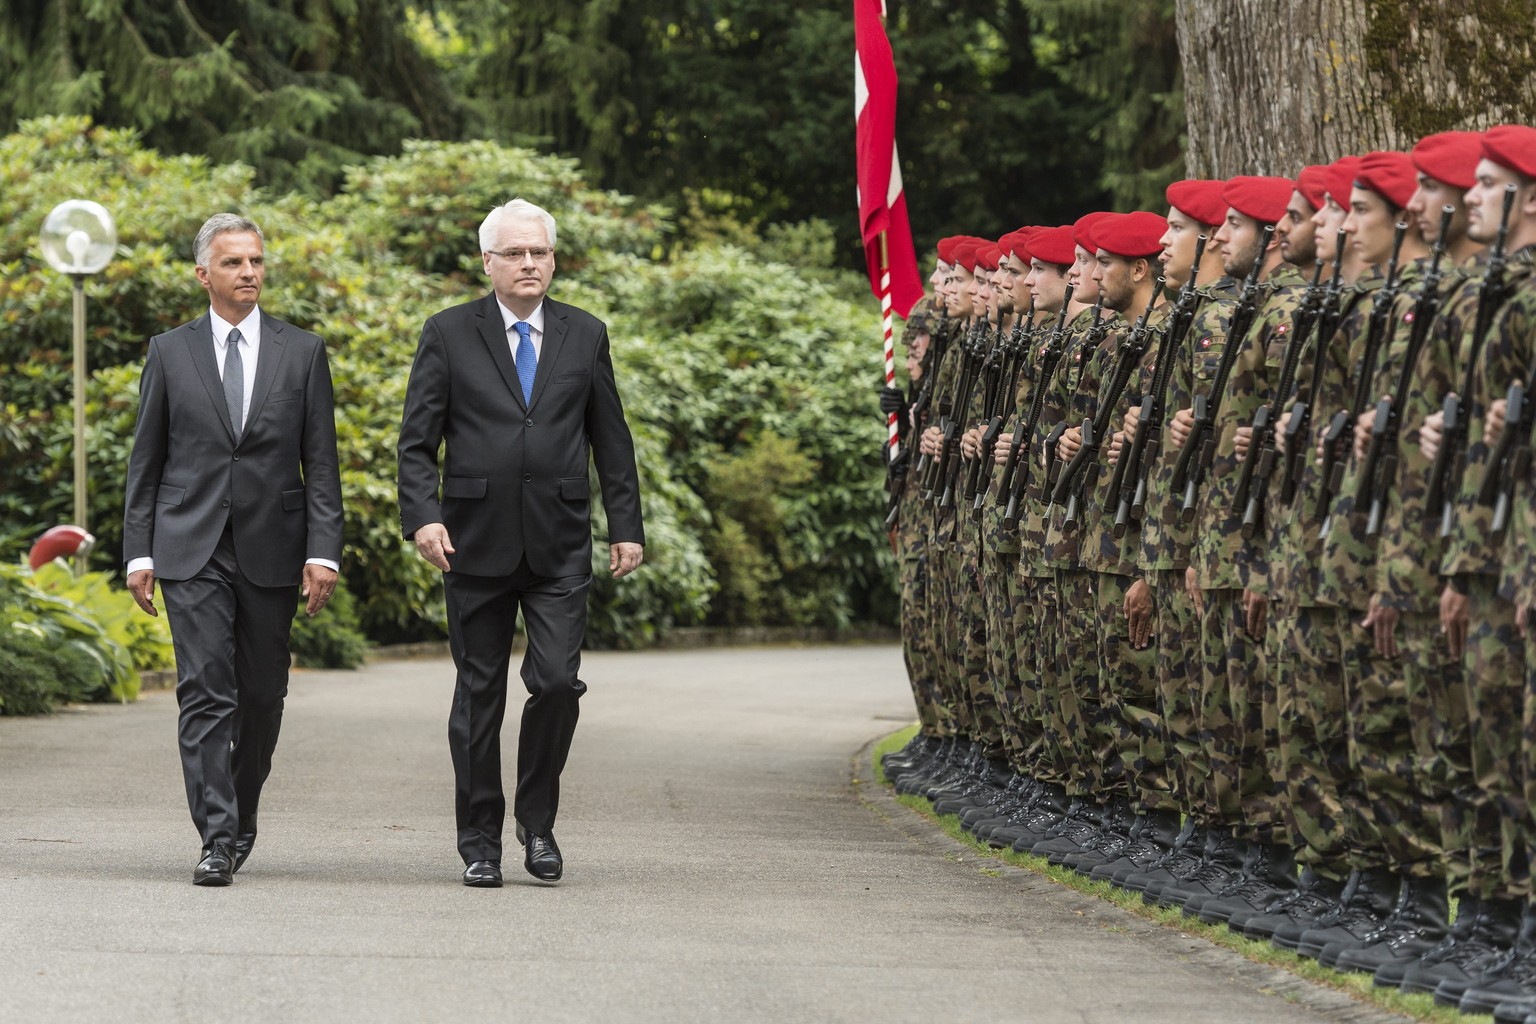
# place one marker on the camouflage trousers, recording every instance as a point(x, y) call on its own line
point(1436, 691)
point(1055, 762)
point(1322, 792)
point(1128, 693)
point(917, 643)
point(1081, 722)
point(1495, 805)
point(968, 611)
point(1175, 643)
point(943, 585)
point(1381, 751)
point(1000, 594)
point(1034, 594)
point(1242, 791)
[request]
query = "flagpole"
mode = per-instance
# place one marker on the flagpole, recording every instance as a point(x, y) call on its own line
point(890, 344)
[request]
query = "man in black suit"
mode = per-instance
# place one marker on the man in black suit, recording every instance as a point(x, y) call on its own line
point(233, 502)
point(519, 389)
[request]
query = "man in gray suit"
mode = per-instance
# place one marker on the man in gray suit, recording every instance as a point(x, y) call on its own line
point(233, 503)
point(518, 389)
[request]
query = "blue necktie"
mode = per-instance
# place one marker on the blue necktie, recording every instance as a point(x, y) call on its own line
point(527, 362)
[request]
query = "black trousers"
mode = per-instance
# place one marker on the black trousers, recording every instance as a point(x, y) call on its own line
point(231, 640)
point(482, 617)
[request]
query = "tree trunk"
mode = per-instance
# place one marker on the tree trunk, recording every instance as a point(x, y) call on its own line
point(1273, 85)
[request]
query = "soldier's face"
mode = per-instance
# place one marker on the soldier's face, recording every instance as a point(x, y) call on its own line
point(1113, 276)
point(1239, 238)
point(914, 365)
point(1426, 204)
point(1002, 297)
point(1178, 242)
point(1485, 201)
point(1370, 226)
point(958, 301)
point(983, 298)
point(940, 272)
point(1084, 287)
point(1325, 230)
point(1020, 287)
point(1048, 283)
point(1297, 235)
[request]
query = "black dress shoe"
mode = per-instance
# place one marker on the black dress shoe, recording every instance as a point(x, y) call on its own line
point(243, 843)
point(216, 868)
point(483, 874)
point(540, 855)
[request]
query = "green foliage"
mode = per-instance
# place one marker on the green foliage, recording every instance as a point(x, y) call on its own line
point(331, 639)
point(746, 355)
point(146, 638)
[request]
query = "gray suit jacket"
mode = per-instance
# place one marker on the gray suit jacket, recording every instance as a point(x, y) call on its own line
point(514, 475)
point(188, 475)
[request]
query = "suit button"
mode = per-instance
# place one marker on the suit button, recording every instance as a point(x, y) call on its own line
point(237, 458)
point(527, 478)
point(528, 423)
point(225, 503)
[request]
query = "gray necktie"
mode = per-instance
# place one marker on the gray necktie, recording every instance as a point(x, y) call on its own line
point(234, 380)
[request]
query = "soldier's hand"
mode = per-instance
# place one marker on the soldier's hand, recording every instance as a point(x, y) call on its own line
point(1181, 427)
point(892, 400)
point(1255, 609)
point(432, 543)
point(1131, 421)
point(932, 442)
point(1242, 439)
point(1431, 433)
point(1070, 442)
point(1382, 622)
point(1365, 424)
point(1280, 432)
point(1000, 450)
point(1116, 443)
point(1493, 424)
point(141, 585)
point(970, 443)
point(1454, 619)
point(1139, 614)
point(1193, 590)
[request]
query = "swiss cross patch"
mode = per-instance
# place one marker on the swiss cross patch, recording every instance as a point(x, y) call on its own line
point(1282, 328)
point(1077, 357)
point(1205, 342)
point(1408, 317)
point(1043, 349)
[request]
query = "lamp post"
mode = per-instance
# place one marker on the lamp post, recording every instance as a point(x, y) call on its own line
point(79, 238)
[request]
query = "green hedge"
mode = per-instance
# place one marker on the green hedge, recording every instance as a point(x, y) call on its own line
point(748, 368)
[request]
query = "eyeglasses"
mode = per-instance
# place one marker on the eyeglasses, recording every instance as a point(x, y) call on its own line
point(516, 255)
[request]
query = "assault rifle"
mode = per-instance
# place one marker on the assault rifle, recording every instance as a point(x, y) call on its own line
point(1098, 427)
point(1510, 459)
point(949, 468)
point(1098, 328)
point(1149, 425)
point(938, 342)
point(1298, 431)
point(1259, 465)
point(948, 412)
point(1018, 453)
point(999, 409)
point(1339, 439)
point(1378, 473)
point(1200, 447)
point(1451, 459)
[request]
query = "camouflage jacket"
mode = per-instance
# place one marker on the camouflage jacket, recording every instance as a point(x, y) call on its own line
point(1075, 397)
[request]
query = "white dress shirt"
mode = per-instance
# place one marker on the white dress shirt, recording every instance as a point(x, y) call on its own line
point(250, 352)
point(535, 321)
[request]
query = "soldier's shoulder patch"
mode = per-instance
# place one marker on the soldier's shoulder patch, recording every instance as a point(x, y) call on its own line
point(1282, 328)
point(1408, 317)
point(1206, 342)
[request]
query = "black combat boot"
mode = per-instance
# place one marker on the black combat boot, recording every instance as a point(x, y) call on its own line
point(1417, 924)
point(1183, 856)
point(1043, 813)
point(1514, 980)
point(983, 790)
point(1391, 974)
point(1151, 841)
point(1375, 893)
point(1492, 933)
point(1117, 831)
point(1080, 824)
point(1268, 874)
point(1313, 897)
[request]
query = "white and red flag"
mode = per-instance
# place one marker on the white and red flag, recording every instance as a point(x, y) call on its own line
point(887, 236)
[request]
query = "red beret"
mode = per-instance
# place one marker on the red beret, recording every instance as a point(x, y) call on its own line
point(987, 256)
point(1053, 245)
point(965, 253)
point(947, 247)
point(1390, 175)
point(1015, 243)
point(1263, 199)
point(1450, 157)
point(1312, 183)
point(1199, 198)
point(1083, 229)
point(1131, 235)
point(1512, 146)
point(1341, 178)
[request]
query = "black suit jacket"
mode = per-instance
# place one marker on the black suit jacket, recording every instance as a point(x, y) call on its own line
point(187, 475)
point(514, 476)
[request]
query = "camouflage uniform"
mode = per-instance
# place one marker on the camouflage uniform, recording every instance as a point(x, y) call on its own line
point(942, 581)
point(1495, 657)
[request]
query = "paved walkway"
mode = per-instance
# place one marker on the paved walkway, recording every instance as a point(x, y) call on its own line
point(721, 866)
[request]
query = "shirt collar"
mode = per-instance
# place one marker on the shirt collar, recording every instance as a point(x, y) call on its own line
point(508, 318)
point(249, 327)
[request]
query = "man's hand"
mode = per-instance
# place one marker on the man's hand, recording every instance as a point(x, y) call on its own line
point(1255, 607)
point(1431, 434)
point(1242, 440)
point(1130, 423)
point(931, 443)
point(1382, 621)
point(319, 585)
point(1116, 445)
point(1068, 444)
point(1280, 435)
point(624, 557)
point(141, 585)
point(1139, 615)
point(970, 443)
point(432, 543)
point(1454, 619)
point(1365, 423)
point(1193, 590)
point(1493, 423)
point(1182, 426)
point(1000, 449)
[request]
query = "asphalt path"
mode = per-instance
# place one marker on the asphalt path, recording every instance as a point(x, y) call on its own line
point(727, 859)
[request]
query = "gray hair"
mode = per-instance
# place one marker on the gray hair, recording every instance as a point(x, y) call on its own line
point(218, 224)
point(517, 209)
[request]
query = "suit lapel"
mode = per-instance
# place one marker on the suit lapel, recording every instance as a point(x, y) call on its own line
point(494, 333)
point(200, 344)
point(554, 337)
point(268, 360)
